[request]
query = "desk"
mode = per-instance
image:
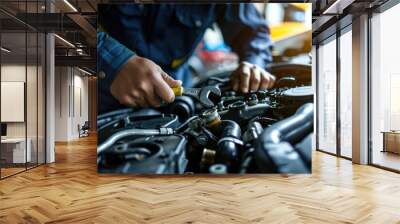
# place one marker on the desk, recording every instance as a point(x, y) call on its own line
point(391, 141)
point(13, 150)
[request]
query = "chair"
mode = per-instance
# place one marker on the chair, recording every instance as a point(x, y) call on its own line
point(84, 129)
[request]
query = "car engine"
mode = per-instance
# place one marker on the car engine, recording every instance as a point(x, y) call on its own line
point(267, 131)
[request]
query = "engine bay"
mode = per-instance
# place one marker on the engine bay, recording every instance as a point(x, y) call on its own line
point(267, 131)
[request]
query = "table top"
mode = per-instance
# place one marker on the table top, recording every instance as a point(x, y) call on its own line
point(391, 132)
point(13, 140)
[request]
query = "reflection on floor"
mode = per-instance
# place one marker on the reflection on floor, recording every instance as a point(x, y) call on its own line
point(386, 159)
point(9, 170)
point(71, 191)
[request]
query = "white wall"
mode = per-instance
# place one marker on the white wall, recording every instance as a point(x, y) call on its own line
point(80, 100)
point(71, 93)
point(16, 73)
point(61, 103)
point(11, 73)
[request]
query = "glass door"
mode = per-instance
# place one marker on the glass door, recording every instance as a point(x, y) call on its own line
point(346, 92)
point(326, 101)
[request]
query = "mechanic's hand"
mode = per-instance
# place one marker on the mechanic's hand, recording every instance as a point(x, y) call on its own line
point(142, 83)
point(249, 77)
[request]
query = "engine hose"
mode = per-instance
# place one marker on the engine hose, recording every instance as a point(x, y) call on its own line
point(274, 151)
point(132, 132)
point(291, 129)
point(183, 106)
point(229, 132)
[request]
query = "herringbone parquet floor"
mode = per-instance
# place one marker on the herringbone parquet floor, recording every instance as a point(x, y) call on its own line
point(70, 191)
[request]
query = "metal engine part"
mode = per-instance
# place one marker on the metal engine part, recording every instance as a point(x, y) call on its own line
point(145, 155)
point(266, 131)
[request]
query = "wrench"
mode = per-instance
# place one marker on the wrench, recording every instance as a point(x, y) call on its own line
point(200, 94)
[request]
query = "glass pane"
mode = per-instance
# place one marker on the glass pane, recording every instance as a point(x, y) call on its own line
point(327, 97)
point(13, 85)
point(32, 88)
point(385, 84)
point(41, 99)
point(31, 97)
point(346, 94)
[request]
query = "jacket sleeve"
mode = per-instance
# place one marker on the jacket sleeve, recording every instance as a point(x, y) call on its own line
point(111, 56)
point(247, 33)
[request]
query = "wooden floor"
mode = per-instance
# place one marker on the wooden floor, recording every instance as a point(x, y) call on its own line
point(386, 159)
point(10, 171)
point(70, 191)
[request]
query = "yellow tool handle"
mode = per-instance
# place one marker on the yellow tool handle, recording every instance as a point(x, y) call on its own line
point(178, 91)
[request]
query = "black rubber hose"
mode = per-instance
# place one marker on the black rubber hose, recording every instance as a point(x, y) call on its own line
point(274, 151)
point(292, 129)
point(230, 134)
point(183, 106)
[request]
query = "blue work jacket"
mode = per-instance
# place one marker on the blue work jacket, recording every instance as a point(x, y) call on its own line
point(168, 35)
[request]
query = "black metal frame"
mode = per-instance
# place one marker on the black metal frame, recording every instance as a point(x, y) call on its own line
point(316, 97)
point(338, 98)
point(45, 90)
point(25, 89)
point(369, 125)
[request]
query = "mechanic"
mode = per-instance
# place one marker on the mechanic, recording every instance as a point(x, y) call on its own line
point(143, 49)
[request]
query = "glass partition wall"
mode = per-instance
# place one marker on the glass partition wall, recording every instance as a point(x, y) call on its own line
point(13, 110)
point(22, 77)
point(384, 89)
point(334, 105)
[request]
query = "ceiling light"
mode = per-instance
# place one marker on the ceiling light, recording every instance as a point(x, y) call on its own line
point(80, 51)
point(333, 6)
point(70, 5)
point(5, 50)
point(84, 71)
point(65, 41)
point(337, 7)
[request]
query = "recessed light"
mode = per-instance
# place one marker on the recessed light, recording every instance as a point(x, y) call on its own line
point(70, 5)
point(64, 40)
point(84, 71)
point(5, 50)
